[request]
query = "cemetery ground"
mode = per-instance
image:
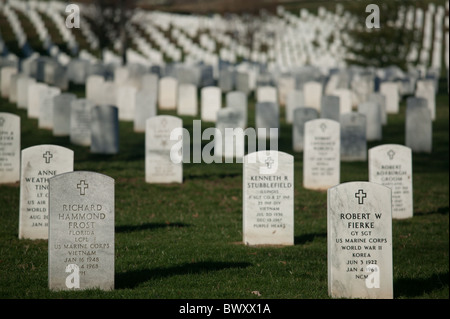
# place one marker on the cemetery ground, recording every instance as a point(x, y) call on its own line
point(184, 241)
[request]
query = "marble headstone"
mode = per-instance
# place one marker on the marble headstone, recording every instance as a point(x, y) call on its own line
point(345, 99)
point(94, 88)
point(390, 91)
point(227, 144)
point(5, 79)
point(38, 164)
point(104, 129)
point(313, 94)
point(243, 82)
point(353, 137)
point(285, 85)
point(80, 122)
point(61, 113)
point(160, 167)
point(418, 126)
point(380, 99)
point(425, 89)
point(34, 99)
point(268, 198)
point(9, 148)
point(238, 101)
point(211, 102)
point(321, 154)
point(81, 232)
point(330, 107)
point(391, 165)
point(46, 105)
point(267, 117)
point(126, 102)
point(294, 100)
point(22, 91)
point(359, 236)
point(167, 93)
point(301, 116)
point(187, 100)
point(144, 109)
point(374, 126)
point(266, 94)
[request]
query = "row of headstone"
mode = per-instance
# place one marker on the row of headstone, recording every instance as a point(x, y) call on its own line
point(80, 220)
point(281, 55)
point(359, 224)
point(74, 211)
point(328, 107)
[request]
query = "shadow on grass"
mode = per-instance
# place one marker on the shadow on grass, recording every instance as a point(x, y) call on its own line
point(440, 210)
point(131, 279)
point(148, 226)
point(303, 239)
point(416, 287)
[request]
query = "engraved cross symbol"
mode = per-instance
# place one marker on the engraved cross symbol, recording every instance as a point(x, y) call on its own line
point(360, 195)
point(82, 187)
point(269, 162)
point(391, 154)
point(323, 127)
point(47, 155)
point(2, 120)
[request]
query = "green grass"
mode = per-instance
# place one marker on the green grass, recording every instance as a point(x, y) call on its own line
point(185, 241)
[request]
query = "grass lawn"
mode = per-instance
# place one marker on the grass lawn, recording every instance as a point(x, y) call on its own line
point(185, 241)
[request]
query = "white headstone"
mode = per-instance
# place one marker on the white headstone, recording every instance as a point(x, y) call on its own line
point(126, 102)
point(144, 109)
point(238, 101)
point(312, 92)
point(390, 91)
point(187, 100)
point(266, 94)
point(286, 84)
point(10, 135)
point(380, 99)
point(268, 198)
point(5, 76)
point(228, 142)
point(104, 129)
point(39, 163)
point(353, 137)
point(374, 126)
point(391, 165)
point(22, 91)
point(294, 100)
point(211, 102)
point(160, 165)
point(359, 228)
point(80, 122)
point(81, 232)
point(94, 88)
point(46, 105)
point(418, 126)
point(61, 113)
point(301, 116)
point(34, 98)
point(330, 107)
point(167, 93)
point(425, 89)
point(321, 154)
point(267, 118)
point(345, 100)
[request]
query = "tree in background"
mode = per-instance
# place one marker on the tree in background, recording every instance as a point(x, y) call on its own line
point(379, 47)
